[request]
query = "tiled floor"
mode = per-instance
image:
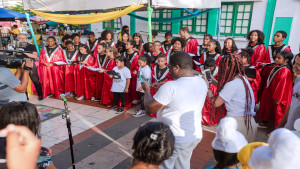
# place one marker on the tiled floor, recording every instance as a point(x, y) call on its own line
point(103, 138)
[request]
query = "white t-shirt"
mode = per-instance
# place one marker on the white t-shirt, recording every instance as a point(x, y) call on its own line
point(235, 97)
point(120, 84)
point(294, 112)
point(183, 100)
point(146, 71)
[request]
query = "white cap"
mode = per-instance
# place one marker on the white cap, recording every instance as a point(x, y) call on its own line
point(228, 139)
point(297, 127)
point(283, 152)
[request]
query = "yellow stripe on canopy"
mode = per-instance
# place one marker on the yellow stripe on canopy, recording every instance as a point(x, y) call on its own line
point(86, 19)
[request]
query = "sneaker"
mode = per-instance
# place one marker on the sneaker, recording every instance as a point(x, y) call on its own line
point(135, 102)
point(80, 98)
point(40, 98)
point(139, 113)
point(121, 110)
point(93, 98)
point(113, 108)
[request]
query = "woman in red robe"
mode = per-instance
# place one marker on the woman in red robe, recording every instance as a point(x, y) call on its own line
point(101, 61)
point(71, 56)
point(85, 78)
point(256, 42)
point(277, 94)
point(52, 74)
point(106, 95)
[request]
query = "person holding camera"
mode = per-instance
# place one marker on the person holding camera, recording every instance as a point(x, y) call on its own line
point(33, 73)
point(11, 88)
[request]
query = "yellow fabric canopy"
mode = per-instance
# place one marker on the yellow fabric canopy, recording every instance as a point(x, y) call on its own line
point(86, 19)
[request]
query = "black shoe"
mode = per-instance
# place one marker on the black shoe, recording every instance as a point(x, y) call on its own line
point(113, 108)
point(40, 98)
point(121, 110)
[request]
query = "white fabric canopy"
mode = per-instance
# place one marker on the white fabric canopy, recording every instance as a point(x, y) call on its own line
point(98, 5)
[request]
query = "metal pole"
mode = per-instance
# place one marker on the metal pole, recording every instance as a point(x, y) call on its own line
point(32, 33)
point(219, 24)
point(149, 13)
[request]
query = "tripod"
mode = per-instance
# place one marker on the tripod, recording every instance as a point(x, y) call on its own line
point(67, 117)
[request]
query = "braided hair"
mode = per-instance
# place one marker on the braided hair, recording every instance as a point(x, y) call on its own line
point(231, 66)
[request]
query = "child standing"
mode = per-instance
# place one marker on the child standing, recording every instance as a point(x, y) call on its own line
point(101, 61)
point(144, 70)
point(229, 47)
point(213, 51)
point(178, 45)
point(108, 36)
point(256, 42)
point(120, 86)
point(107, 95)
point(166, 45)
point(203, 48)
point(277, 94)
point(254, 81)
point(156, 53)
point(92, 43)
point(138, 41)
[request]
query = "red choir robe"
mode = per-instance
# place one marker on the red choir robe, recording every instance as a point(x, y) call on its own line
point(169, 53)
point(191, 46)
point(165, 47)
point(110, 44)
point(52, 77)
point(264, 74)
point(94, 48)
point(133, 66)
point(255, 84)
point(259, 54)
point(85, 78)
point(70, 72)
point(210, 114)
point(273, 51)
point(107, 96)
point(101, 61)
point(216, 56)
point(279, 87)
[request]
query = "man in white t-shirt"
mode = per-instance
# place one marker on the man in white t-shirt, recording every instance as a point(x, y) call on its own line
point(179, 104)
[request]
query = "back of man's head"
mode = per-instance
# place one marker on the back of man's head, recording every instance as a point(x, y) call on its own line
point(182, 59)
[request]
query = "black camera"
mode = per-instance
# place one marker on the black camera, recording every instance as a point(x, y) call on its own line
point(10, 62)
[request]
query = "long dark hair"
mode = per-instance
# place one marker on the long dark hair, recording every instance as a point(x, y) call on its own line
point(234, 47)
point(231, 66)
point(85, 47)
point(224, 159)
point(105, 32)
point(218, 46)
point(21, 113)
point(261, 36)
point(288, 56)
point(153, 143)
point(140, 41)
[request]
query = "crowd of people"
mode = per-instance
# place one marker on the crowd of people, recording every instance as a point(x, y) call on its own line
point(184, 85)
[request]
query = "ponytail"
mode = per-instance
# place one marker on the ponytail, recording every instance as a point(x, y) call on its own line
point(288, 56)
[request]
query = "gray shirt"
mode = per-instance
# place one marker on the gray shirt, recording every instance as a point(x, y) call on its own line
point(8, 81)
point(294, 113)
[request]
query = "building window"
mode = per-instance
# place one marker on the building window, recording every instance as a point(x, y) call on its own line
point(197, 25)
point(112, 24)
point(236, 18)
point(162, 27)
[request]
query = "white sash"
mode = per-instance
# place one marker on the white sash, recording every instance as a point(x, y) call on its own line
point(73, 57)
point(95, 44)
point(80, 66)
point(216, 57)
point(198, 50)
point(272, 75)
point(216, 71)
point(47, 56)
point(168, 55)
point(162, 77)
point(108, 63)
point(132, 57)
point(271, 52)
point(98, 59)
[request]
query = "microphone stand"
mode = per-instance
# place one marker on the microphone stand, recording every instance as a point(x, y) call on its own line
point(67, 117)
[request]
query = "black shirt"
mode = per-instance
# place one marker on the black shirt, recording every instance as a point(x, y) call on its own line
point(70, 54)
point(82, 57)
point(155, 57)
point(202, 50)
point(101, 59)
point(77, 46)
point(30, 48)
point(108, 44)
point(160, 72)
point(167, 46)
point(128, 58)
point(92, 44)
point(211, 55)
point(50, 50)
point(276, 50)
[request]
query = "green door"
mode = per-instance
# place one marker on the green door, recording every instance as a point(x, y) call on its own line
point(283, 24)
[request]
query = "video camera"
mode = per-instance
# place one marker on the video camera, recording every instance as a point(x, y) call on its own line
point(9, 58)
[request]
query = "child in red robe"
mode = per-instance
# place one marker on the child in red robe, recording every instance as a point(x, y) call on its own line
point(85, 78)
point(92, 43)
point(256, 42)
point(211, 115)
point(277, 94)
point(106, 95)
point(71, 56)
point(132, 64)
point(191, 43)
point(167, 44)
point(101, 61)
point(108, 36)
point(203, 48)
point(138, 42)
point(229, 46)
point(52, 74)
point(214, 50)
point(177, 46)
point(156, 53)
point(253, 80)
point(160, 75)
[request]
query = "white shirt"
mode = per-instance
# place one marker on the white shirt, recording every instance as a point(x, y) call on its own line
point(234, 96)
point(120, 84)
point(294, 112)
point(146, 71)
point(183, 100)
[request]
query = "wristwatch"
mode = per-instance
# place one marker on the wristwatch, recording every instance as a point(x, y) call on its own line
point(27, 68)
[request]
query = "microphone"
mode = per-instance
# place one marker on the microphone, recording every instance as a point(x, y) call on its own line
point(63, 97)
